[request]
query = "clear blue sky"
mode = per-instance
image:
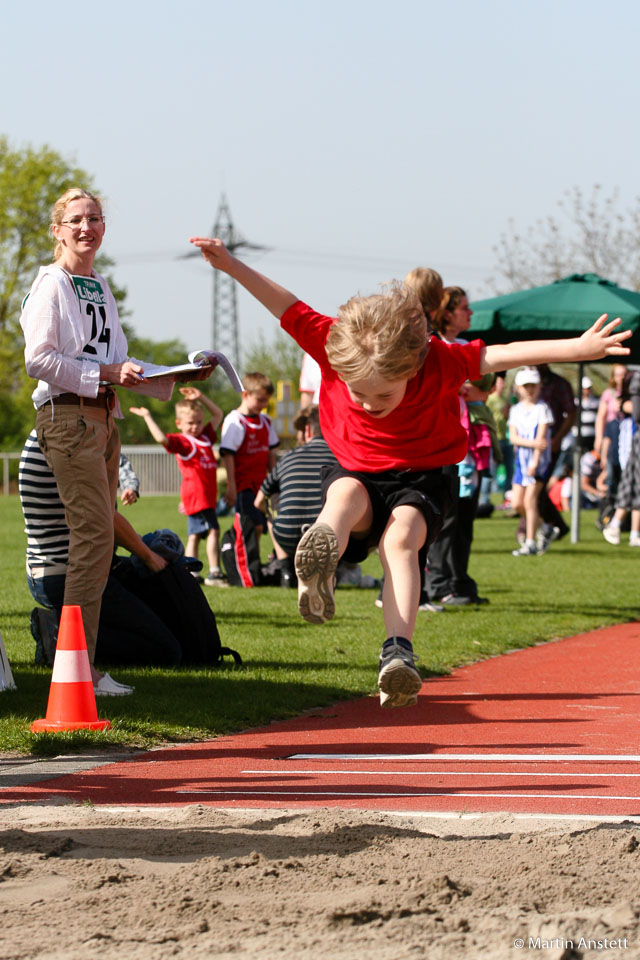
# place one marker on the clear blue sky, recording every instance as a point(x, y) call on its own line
point(357, 139)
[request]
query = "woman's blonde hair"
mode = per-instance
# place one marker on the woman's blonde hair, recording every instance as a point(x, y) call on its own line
point(451, 297)
point(59, 207)
point(427, 284)
point(384, 335)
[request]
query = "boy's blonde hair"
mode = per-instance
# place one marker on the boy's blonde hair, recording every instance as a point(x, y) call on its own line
point(384, 335)
point(427, 284)
point(253, 382)
point(184, 406)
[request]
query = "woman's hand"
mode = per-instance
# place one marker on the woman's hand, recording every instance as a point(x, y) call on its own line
point(125, 374)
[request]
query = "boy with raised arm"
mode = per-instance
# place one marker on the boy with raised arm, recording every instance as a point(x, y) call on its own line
point(389, 411)
point(193, 449)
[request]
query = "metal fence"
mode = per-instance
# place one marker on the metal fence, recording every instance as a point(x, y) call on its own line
point(157, 471)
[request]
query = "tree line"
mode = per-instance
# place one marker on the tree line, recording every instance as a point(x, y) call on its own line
point(31, 180)
point(591, 233)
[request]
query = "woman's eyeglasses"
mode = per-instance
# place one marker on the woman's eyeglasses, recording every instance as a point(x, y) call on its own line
point(92, 221)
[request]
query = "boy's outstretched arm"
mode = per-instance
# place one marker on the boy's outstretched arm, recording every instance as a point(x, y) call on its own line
point(156, 432)
point(272, 296)
point(597, 342)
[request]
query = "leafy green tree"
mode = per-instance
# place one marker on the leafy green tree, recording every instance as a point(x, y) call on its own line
point(590, 235)
point(279, 360)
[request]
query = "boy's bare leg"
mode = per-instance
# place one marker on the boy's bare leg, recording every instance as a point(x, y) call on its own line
point(347, 510)
point(213, 549)
point(193, 542)
point(405, 534)
point(399, 680)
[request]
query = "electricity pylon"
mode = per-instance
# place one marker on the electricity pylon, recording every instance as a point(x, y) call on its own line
point(224, 323)
point(225, 301)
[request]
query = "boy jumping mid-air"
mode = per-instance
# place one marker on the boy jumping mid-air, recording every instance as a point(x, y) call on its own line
point(389, 411)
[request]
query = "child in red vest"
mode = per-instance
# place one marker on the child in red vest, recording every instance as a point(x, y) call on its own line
point(193, 448)
point(248, 444)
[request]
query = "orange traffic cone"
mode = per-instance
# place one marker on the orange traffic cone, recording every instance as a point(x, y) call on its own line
point(72, 702)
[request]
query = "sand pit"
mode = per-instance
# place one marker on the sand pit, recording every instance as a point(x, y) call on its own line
point(79, 881)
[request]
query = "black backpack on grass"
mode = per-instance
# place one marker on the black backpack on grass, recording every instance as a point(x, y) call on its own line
point(177, 599)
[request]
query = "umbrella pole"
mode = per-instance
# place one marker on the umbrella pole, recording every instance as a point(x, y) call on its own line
point(575, 481)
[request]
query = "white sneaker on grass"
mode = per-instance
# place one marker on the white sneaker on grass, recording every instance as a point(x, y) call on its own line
point(612, 535)
point(108, 687)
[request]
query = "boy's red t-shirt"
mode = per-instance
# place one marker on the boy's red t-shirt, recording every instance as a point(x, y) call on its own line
point(199, 468)
point(423, 432)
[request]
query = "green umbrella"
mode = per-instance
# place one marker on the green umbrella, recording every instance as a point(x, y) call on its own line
point(561, 309)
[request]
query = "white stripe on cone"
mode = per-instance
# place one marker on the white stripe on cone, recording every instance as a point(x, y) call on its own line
point(71, 666)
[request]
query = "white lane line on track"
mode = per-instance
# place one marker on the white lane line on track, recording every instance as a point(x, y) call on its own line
point(420, 793)
point(480, 757)
point(286, 772)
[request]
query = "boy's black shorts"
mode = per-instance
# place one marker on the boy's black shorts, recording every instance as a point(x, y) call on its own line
point(428, 490)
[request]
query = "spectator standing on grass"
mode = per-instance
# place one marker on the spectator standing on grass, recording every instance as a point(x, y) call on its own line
point(615, 452)
point(529, 424)
point(248, 444)
point(389, 411)
point(74, 343)
point(628, 495)
point(590, 404)
point(609, 406)
point(556, 392)
point(447, 579)
point(499, 405)
point(195, 455)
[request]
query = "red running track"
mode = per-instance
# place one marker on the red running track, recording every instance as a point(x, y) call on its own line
point(552, 729)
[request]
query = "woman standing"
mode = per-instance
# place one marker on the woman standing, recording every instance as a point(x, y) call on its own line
point(74, 342)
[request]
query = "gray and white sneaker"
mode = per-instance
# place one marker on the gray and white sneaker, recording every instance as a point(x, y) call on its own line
point(316, 562)
point(545, 537)
point(526, 550)
point(428, 607)
point(399, 681)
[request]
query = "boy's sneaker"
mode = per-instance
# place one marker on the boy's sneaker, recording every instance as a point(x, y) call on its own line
point(612, 535)
point(428, 607)
point(398, 679)
point(526, 550)
point(634, 541)
point(216, 579)
point(316, 562)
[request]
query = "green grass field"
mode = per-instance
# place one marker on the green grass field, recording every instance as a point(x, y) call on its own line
point(291, 666)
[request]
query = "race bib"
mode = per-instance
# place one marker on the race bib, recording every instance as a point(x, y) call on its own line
point(93, 308)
